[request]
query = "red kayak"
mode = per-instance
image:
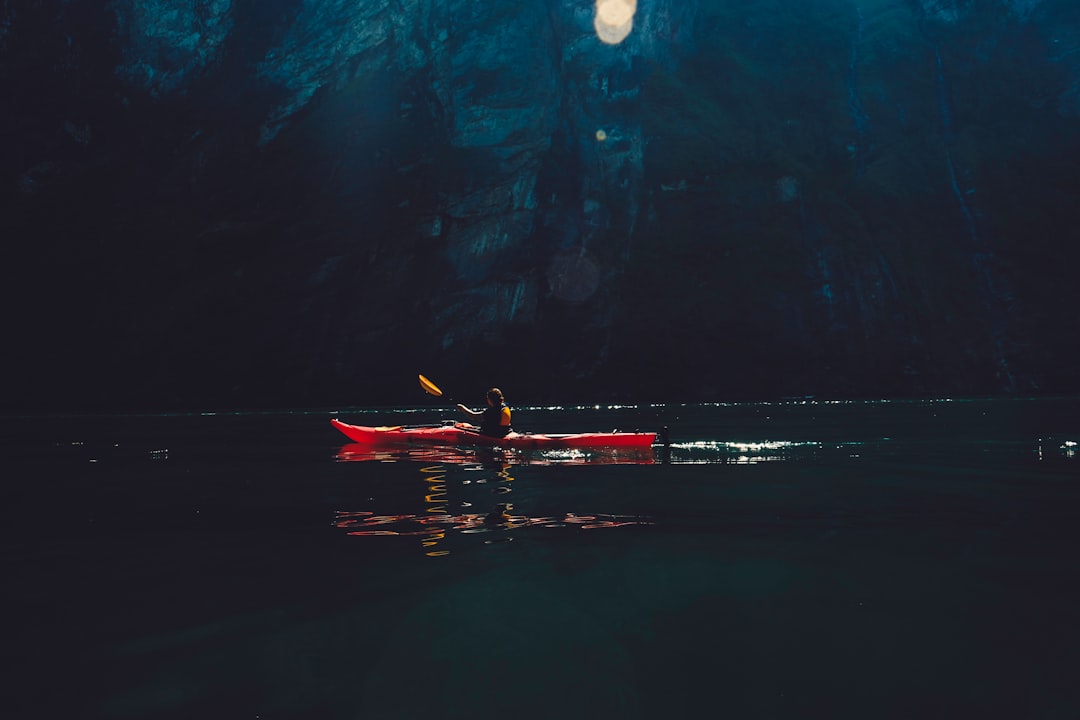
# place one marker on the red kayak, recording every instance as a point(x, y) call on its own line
point(461, 434)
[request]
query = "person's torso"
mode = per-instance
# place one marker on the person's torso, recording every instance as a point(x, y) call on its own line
point(491, 422)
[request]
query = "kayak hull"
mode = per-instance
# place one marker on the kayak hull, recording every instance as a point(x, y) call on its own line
point(456, 434)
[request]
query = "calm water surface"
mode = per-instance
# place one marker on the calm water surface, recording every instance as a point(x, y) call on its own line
point(801, 559)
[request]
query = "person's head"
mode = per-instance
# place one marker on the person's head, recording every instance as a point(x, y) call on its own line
point(495, 397)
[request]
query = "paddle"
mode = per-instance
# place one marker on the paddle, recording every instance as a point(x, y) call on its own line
point(431, 388)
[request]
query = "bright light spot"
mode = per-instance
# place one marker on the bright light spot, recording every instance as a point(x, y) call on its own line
point(614, 20)
point(615, 12)
point(601, 135)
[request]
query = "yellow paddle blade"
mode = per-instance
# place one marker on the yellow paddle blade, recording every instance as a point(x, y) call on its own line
point(429, 387)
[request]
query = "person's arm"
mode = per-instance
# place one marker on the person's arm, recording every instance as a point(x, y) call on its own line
point(469, 412)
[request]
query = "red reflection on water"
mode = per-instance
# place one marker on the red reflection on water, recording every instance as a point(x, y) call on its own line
point(359, 452)
point(434, 527)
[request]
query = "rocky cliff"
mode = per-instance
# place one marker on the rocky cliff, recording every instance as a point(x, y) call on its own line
point(220, 203)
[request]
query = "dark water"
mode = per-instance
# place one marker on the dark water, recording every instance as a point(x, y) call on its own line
point(803, 560)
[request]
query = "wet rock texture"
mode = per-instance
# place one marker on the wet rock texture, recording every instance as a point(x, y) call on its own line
point(228, 204)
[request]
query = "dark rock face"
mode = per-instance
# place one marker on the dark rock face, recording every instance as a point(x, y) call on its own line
point(225, 203)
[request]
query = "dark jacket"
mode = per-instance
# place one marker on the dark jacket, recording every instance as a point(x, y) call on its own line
point(489, 423)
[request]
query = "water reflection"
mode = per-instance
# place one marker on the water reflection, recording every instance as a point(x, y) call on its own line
point(696, 452)
point(435, 523)
point(486, 456)
point(721, 452)
point(432, 529)
point(454, 478)
point(1050, 447)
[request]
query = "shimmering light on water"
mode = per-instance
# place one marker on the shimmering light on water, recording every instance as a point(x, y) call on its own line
point(699, 452)
point(738, 453)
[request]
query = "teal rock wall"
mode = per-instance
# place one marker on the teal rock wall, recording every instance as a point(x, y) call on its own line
point(306, 203)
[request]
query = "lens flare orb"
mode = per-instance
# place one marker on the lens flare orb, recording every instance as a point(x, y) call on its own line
point(614, 20)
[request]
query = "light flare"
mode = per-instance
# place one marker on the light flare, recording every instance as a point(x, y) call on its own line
point(614, 20)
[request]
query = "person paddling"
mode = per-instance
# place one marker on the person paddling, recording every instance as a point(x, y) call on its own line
point(495, 418)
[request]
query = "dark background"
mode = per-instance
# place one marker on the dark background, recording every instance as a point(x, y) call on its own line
point(214, 204)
